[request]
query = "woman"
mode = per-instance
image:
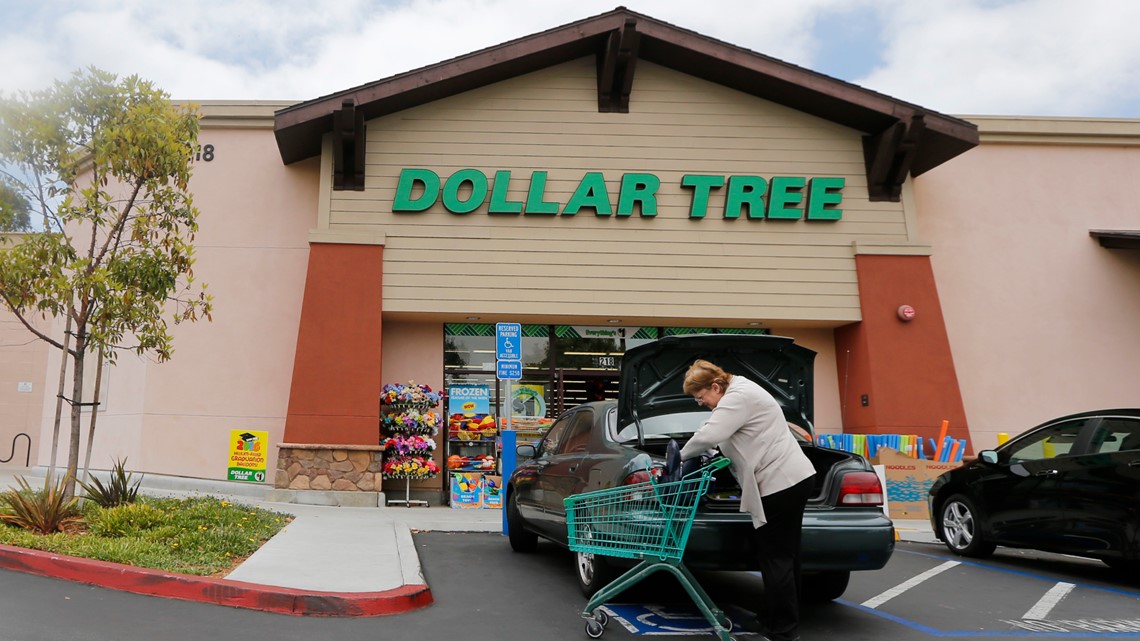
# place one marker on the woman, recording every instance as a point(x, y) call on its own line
point(775, 479)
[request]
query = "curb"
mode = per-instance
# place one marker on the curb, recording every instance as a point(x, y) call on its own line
point(238, 594)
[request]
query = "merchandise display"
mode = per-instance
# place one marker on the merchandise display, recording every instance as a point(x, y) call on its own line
point(472, 446)
point(411, 422)
point(472, 427)
point(466, 490)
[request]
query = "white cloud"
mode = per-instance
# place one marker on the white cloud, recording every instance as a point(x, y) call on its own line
point(1039, 57)
point(961, 56)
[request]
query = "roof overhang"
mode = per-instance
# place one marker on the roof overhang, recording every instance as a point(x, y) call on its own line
point(1117, 238)
point(900, 138)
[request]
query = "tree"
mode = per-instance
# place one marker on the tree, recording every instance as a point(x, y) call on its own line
point(106, 163)
point(14, 208)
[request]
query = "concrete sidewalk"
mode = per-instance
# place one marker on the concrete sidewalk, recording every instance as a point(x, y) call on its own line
point(333, 561)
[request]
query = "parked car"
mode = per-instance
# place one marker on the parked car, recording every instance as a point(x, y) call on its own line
point(1070, 485)
point(610, 443)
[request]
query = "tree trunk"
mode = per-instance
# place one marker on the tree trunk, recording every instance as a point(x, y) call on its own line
point(59, 396)
point(94, 415)
point(76, 412)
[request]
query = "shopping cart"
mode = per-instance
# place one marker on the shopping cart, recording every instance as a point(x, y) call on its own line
point(649, 521)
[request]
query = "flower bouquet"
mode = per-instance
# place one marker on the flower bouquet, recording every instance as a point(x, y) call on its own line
point(412, 421)
point(407, 445)
point(409, 395)
point(415, 467)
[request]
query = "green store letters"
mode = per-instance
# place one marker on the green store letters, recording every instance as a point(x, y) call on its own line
point(753, 197)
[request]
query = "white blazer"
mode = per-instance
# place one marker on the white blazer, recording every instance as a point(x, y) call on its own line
point(749, 427)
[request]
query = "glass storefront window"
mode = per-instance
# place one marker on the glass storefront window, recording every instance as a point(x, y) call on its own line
point(563, 365)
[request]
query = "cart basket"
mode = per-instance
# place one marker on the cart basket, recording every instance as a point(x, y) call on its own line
point(649, 520)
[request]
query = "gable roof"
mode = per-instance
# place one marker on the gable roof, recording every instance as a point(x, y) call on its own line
point(900, 137)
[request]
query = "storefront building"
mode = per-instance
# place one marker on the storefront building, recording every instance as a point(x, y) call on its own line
point(613, 181)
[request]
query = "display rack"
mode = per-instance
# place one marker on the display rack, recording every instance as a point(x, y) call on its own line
point(410, 422)
point(471, 446)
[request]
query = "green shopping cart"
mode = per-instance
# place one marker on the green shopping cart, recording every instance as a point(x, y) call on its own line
point(649, 521)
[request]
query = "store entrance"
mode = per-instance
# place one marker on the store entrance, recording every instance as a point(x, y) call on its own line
point(574, 387)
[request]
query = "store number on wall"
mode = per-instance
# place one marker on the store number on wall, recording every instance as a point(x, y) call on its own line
point(205, 153)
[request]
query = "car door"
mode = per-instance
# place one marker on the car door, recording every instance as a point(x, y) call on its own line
point(561, 476)
point(1103, 513)
point(531, 476)
point(1022, 498)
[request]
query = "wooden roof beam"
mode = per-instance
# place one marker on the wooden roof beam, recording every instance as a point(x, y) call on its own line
point(616, 64)
point(348, 147)
point(889, 156)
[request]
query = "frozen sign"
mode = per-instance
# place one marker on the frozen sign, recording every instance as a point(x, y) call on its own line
point(468, 399)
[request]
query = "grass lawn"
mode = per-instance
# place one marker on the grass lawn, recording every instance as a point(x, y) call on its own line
point(205, 536)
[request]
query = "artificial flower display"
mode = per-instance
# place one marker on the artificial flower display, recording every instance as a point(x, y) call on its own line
point(412, 421)
point(409, 394)
point(411, 467)
point(407, 445)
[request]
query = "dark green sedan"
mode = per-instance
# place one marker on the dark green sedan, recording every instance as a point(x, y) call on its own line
point(610, 443)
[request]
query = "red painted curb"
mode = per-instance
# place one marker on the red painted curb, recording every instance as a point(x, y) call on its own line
point(237, 594)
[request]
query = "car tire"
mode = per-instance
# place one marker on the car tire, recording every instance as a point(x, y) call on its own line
point(521, 539)
point(960, 523)
point(822, 587)
point(1131, 568)
point(593, 572)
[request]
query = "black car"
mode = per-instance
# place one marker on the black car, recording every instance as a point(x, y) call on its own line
point(1071, 485)
point(606, 444)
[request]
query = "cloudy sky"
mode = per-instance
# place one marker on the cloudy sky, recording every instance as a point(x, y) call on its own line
point(962, 57)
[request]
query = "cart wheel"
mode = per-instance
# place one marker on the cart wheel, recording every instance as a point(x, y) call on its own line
point(594, 629)
point(601, 617)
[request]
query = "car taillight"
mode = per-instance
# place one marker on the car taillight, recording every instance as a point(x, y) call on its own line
point(640, 482)
point(640, 476)
point(860, 488)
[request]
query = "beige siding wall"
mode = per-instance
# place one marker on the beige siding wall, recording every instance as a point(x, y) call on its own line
point(632, 268)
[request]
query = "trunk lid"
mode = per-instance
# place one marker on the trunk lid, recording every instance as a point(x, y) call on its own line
point(652, 375)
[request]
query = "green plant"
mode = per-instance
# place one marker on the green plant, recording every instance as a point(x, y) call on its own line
point(118, 490)
point(129, 519)
point(43, 511)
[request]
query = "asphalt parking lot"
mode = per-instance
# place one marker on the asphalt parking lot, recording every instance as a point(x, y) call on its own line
point(923, 591)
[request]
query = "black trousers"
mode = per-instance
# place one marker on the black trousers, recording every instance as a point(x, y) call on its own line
point(778, 554)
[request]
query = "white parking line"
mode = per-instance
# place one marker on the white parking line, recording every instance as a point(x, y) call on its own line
point(908, 584)
point(1049, 601)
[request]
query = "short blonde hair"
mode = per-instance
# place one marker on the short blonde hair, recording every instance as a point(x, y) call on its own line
point(702, 374)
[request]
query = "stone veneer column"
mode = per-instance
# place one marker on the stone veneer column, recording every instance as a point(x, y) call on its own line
point(351, 468)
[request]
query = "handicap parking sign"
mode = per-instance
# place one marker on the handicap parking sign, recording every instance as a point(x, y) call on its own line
point(508, 342)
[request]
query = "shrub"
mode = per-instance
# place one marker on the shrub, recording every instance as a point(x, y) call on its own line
point(43, 511)
point(118, 490)
point(125, 520)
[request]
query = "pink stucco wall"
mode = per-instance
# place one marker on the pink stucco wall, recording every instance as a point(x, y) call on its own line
point(23, 361)
point(233, 373)
point(1042, 320)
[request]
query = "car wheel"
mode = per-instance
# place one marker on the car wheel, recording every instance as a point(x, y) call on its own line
point(961, 525)
point(824, 586)
point(594, 573)
point(521, 540)
point(1123, 565)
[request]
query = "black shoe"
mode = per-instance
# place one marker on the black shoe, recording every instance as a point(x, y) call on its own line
point(755, 627)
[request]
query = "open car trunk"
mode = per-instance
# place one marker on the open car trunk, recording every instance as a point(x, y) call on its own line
point(724, 492)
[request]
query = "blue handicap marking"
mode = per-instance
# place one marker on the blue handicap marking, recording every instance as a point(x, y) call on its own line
point(672, 620)
point(508, 341)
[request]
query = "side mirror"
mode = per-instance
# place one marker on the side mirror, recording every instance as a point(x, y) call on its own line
point(525, 451)
point(988, 456)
